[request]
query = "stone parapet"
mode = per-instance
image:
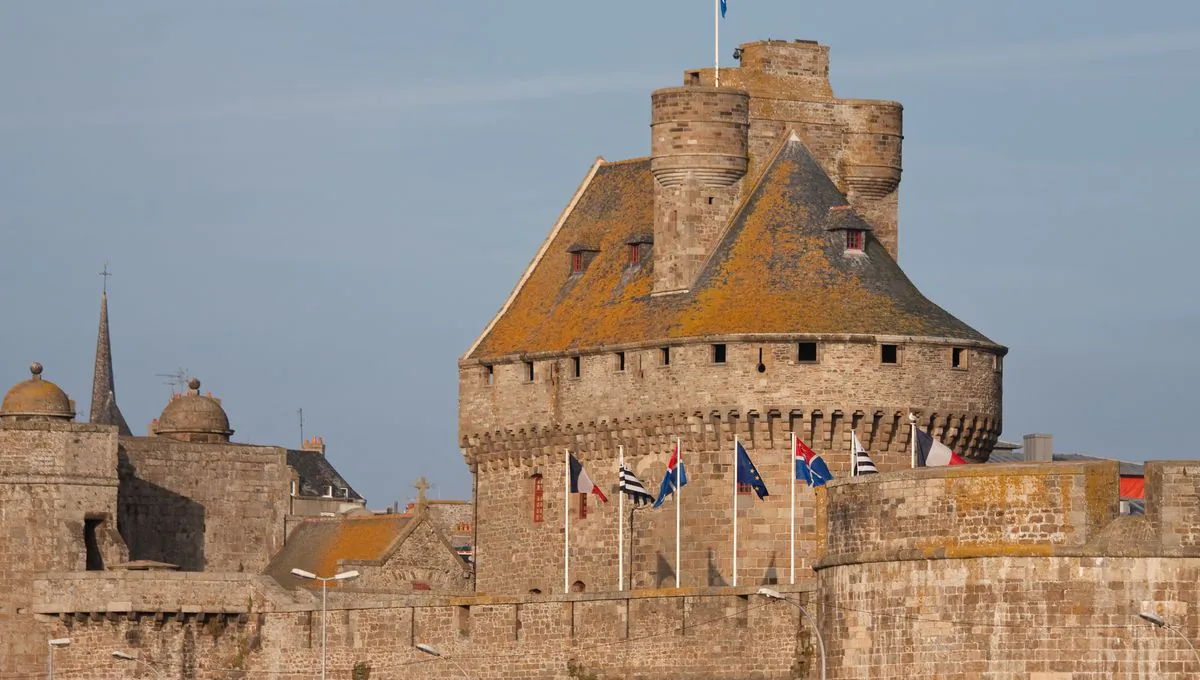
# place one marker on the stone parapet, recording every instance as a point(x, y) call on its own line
point(966, 511)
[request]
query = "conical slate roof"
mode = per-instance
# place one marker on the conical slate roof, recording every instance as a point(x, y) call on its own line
point(104, 409)
point(781, 267)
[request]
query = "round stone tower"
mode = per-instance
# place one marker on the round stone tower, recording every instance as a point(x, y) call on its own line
point(699, 153)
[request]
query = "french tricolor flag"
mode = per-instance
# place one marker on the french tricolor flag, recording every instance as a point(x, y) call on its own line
point(581, 482)
point(932, 453)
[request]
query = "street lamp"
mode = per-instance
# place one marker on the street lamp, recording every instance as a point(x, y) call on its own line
point(56, 642)
point(126, 656)
point(433, 651)
point(1159, 622)
point(776, 595)
point(343, 576)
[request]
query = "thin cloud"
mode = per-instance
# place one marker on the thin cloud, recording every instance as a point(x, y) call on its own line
point(1036, 55)
point(331, 102)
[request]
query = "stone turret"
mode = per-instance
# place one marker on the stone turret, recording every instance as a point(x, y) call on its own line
point(699, 154)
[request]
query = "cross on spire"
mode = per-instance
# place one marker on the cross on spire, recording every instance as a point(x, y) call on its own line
point(104, 273)
point(421, 486)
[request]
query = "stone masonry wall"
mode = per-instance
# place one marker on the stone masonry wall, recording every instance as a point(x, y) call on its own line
point(710, 634)
point(1009, 571)
point(857, 141)
point(848, 376)
point(211, 507)
point(53, 478)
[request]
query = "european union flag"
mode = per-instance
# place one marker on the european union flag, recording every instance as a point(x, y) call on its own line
point(723, 8)
point(748, 474)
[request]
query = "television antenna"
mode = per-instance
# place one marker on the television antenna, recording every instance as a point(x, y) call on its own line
point(177, 379)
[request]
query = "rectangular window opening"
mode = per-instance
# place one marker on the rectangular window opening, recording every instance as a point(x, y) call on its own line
point(635, 253)
point(958, 357)
point(583, 506)
point(745, 489)
point(806, 353)
point(718, 353)
point(889, 354)
point(91, 542)
point(620, 361)
point(528, 371)
point(712, 199)
point(997, 363)
point(854, 239)
point(576, 366)
point(576, 263)
point(489, 375)
point(665, 356)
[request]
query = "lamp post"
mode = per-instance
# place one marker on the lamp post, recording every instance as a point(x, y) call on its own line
point(776, 595)
point(126, 656)
point(1159, 622)
point(56, 642)
point(433, 651)
point(343, 576)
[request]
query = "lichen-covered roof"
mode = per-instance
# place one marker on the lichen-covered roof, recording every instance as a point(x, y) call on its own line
point(317, 546)
point(780, 267)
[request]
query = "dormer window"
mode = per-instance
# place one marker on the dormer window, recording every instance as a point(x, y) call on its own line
point(855, 239)
point(577, 262)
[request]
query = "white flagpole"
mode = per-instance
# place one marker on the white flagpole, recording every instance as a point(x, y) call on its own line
point(853, 455)
point(567, 521)
point(678, 497)
point(792, 474)
point(912, 437)
point(735, 508)
point(717, 43)
point(620, 520)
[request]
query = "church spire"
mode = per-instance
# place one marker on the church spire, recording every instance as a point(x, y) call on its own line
point(104, 399)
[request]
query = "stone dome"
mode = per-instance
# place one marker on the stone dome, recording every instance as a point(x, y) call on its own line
point(193, 417)
point(36, 399)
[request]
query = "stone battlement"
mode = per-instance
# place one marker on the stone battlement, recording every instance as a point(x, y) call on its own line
point(1011, 510)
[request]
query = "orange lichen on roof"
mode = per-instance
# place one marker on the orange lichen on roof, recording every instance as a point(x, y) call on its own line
point(318, 546)
point(777, 269)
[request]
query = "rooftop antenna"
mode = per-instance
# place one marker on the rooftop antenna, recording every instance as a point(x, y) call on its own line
point(177, 379)
point(300, 412)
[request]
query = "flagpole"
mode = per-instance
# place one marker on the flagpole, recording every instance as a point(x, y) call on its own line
point(792, 474)
point(717, 43)
point(678, 501)
point(620, 520)
point(912, 438)
point(853, 455)
point(566, 521)
point(735, 508)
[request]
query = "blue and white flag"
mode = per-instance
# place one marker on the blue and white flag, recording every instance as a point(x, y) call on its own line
point(723, 8)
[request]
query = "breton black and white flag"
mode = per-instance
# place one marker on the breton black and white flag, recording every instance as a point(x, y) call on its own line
point(863, 465)
point(632, 486)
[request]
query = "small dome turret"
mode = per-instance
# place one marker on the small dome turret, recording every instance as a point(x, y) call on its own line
point(193, 417)
point(36, 399)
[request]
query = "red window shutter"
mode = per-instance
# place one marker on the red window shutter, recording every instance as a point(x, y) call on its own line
point(537, 498)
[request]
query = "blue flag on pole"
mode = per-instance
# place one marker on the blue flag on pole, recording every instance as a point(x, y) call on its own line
point(748, 474)
point(667, 487)
point(723, 8)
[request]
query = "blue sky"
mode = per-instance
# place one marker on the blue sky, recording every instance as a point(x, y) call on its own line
point(319, 205)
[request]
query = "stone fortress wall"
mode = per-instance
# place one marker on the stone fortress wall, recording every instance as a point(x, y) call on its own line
point(204, 626)
point(203, 506)
point(57, 513)
point(705, 404)
point(1010, 571)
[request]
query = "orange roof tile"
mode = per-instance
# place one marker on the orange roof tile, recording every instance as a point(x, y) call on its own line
point(780, 267)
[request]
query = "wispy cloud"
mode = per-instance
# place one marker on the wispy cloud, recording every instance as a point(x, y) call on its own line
point(366, 100)
point(1039, 55)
